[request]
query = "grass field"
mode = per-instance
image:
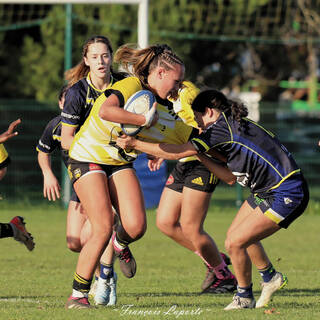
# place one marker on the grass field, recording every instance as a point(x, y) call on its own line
point(167, 284)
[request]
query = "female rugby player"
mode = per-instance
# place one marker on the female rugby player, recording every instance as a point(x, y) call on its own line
point(90, 78)
point(259, 161)
point(171, 127)
point(97, 165)
point(186, 198)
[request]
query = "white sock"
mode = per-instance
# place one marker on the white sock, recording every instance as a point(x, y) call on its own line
point(79, 294)
point(118, 245)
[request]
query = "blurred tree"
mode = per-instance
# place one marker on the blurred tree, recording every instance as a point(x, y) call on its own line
point(43, 61)
point(215, 38)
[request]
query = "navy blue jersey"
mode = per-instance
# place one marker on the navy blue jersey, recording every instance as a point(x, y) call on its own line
point(254, 155)
point(51, 139)
point(79, 100)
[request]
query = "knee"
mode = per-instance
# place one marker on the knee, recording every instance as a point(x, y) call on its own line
point(135, 230)
point(164, 226)
point(74, 244)
point(232, 245)
point(190, 231)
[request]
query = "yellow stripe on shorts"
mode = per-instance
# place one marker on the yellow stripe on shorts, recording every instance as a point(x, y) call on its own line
point(271, 214)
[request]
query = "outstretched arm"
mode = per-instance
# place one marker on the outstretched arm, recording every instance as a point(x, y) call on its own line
point(160, 150)
point(10, 132)
point(218, 170)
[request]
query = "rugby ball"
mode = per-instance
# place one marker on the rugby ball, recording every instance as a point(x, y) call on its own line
point(140, 103)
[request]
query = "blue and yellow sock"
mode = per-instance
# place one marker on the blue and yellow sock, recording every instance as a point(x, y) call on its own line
point(106, 271)
point(267, 273)
point(245, 292)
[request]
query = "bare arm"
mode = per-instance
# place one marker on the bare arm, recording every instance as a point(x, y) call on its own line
point(218, 170)
point(110, 110)
point(67, 135)
point(217, 155)
point(160, 150)
point(51, 187)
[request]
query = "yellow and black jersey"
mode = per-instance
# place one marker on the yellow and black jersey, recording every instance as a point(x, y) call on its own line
point(95, 142)
point(4, 157)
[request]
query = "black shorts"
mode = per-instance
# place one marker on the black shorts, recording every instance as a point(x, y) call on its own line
point(193, 175)
point(74, 196)
point(77, 169)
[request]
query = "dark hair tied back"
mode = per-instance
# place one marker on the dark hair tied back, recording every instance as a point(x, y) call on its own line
point(217, 100)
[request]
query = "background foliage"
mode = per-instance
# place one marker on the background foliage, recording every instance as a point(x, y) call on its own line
point(223, 43)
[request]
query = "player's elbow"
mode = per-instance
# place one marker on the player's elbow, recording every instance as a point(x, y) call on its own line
point(103, 113)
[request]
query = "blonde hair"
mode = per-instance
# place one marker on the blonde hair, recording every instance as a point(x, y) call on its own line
point(81, 70)
point(140, 62)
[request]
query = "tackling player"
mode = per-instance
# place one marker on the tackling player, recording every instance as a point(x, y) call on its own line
point(279, 191)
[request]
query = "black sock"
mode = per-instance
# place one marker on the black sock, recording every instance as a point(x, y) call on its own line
point(81, 284)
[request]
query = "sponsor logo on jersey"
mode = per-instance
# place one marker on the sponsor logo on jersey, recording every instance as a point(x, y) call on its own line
point(77, 173)
point(170, 180)
point(69, 116)
point(198, 181)
point(43, 145)
point(287, 200)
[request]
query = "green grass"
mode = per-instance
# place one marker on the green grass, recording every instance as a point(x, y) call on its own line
point(36, 285)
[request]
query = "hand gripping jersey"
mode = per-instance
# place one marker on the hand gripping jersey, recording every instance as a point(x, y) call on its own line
point(95, 142)
point(254, 155)
point(4, 157)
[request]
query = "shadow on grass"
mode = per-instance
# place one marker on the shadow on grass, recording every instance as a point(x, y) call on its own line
point(299, 292)
point(161, 294)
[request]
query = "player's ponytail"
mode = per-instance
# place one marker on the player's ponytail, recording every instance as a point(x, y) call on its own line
point(217, 100)
point(140, 62)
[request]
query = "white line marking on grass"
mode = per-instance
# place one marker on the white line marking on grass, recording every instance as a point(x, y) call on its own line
point(19, 300)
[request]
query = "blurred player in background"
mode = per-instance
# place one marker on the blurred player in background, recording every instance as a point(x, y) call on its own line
point(279, 192)
point(78, 226)
point(16, 227)
point(186, 198)
point(89, 79)
point(98, 165)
